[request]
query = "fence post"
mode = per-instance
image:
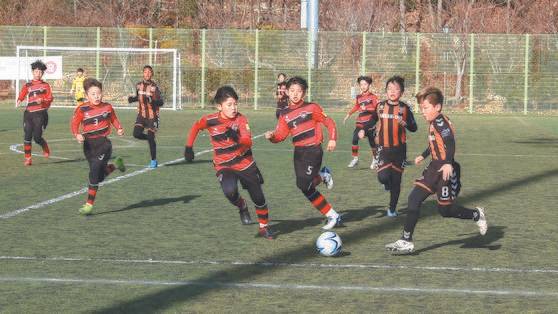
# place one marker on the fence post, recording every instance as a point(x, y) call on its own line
point(150, 45)
point(471, 71)
point(202, 92)
point(363, 57)
point(417, 69)
point(256, 65)
point(45, 31)
point(310, 58)
point(526, 82)
point(97, 55)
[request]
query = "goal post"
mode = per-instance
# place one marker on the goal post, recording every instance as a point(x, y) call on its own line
point(119, 70)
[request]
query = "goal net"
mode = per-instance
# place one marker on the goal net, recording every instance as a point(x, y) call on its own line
point(119, 69)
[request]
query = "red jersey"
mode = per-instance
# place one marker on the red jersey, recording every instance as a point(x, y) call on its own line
point(231, 140)
point(40, 95)
point(365, 104)
point(302, 122)
point(390, 131)
point(95, 120)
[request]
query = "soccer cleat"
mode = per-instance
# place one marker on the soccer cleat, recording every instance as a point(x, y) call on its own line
point(265, 232)
point(332, 222)
point(119, 163)
point(325, 173)
point(353, 162)
point(153, 164)
point(46, 153)
point(28, 162)
point(245, 214)
point(374, 164)
point(400, 247)
point(86, 209)
point(483, 225)
point(391, 213)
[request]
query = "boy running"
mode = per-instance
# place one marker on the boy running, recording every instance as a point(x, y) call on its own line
point(440, 177)
point(232, 157)
point(35, 117)
point(302, 121)
point(96, 118)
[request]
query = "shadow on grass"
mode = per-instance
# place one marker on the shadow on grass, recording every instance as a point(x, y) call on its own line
point(195, 161)
point(477, 241)
point(151, 203)
point(553, 141)
point(163, 299)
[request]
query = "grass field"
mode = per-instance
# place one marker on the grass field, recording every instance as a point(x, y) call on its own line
point(168, 241)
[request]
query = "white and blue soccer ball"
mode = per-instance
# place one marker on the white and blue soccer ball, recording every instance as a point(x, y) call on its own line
point(329, 244)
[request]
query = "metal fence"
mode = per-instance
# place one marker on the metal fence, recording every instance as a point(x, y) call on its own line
point(477, 72)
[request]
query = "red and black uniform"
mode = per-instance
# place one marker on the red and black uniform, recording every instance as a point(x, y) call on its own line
point(95, 122)
point(232, 158)
point(35, 117)
point(302, 122)
point(282, 102)
point(365, 104)
point(149, 101)
point(441, 146)
point(393, 121)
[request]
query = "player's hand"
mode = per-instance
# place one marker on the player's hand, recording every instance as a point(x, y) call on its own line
point(188, 153)
point(80, 138)
point(402, 122)
point(120, 132)
point(331, 145)
point(232, 134)
point(345, 119)
point(361, 134)
point(18, 103)
point(130, 98)
point(446, 170)
point(268, 135)
point(418, 159)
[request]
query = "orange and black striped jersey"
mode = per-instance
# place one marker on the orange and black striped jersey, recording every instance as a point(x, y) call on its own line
point(441, 140)
point(40, 95)
point(393, 119)
point(302, 121)
point(365, 104)
point(149, 99)
point(95, 120)
point(231, 140)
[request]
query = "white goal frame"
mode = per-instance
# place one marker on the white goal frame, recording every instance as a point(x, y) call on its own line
point(176, 75)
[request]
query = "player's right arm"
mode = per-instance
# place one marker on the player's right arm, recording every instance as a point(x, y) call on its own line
point(280, 133)
point(22, 94)
point(353, 110)
point(77, 118)
point(199, 125)
point(132, 99)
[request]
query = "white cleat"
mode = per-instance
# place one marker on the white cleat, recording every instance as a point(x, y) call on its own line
point(483, 225)
point(374, 164)
point(327, 177)
point(332, 222)
point(353, 162)
point(400, 247)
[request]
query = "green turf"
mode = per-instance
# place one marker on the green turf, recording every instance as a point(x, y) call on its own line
point(178, 213)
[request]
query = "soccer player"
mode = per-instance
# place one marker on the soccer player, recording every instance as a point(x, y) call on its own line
point(440, 177)
point(282, 99)
point(365, 104)
point(394, 116)
point(302, 120)
point(35, 117)
point(149, 101)
point(281, 77)
point(77, 86)
point(96, 118)
point(232, 157)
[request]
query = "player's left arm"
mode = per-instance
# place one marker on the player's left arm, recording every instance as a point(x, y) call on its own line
point(244, 134)
point(319, 115)
point(47, 99)
point(115, 122)
point(157, 98)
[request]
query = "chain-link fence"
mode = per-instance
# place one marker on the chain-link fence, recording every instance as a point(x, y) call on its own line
point(477, 72)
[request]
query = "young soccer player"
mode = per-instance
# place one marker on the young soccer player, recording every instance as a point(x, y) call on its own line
point(394, 116)
point(282, 100)
point(232, 157)
point(149, 101)
point(35, 117)
point(96, 118)
point(77, 86)
point(303, 121)
point(281, 77)
point(365, 104)
point(440, 177)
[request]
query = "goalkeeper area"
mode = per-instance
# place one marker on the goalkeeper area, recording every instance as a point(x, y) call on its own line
point(119, 69)
point(167, 240)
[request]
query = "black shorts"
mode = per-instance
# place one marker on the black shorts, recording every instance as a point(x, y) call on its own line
point(432, 182)
point(307, 164)
point(99, 148)
point(150, 124)
point(248, 177)
point(392, 157)
point(369, 133)
point(37, 119)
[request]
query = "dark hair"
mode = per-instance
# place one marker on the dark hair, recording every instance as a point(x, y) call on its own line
point(38, 65)
point(91, 82)
point(368, 79)
point(284, 75)
point(223, 93)
point(432, 94)
point(282, 84)
point(79, 70)
point(299, 81)
point(397, 79)
point(148, 67)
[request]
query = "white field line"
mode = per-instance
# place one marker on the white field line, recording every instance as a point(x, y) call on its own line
point(84, 190)
point(279, 264)
point(244, 285)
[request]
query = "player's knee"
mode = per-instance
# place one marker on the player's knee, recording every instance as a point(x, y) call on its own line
point(151, 135)
point(445, 210)
point(138, 133)
point(39, 140)
point(384, 177)
point(304, 185)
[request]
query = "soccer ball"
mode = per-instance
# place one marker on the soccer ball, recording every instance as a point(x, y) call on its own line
point(329, 244)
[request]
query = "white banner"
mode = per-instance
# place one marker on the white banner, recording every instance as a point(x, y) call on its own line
point(9, 65)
